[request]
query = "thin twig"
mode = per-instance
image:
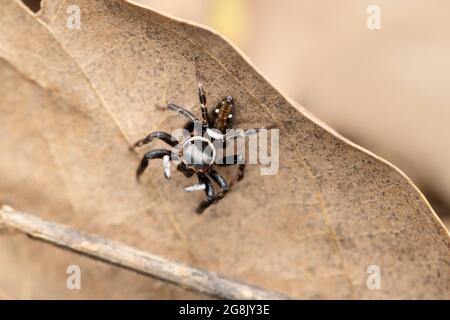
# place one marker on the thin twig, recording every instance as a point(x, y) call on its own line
point(119, 254)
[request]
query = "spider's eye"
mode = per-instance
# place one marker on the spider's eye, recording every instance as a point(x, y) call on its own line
point(230, 116)
point(217, 110)
point(229, 98)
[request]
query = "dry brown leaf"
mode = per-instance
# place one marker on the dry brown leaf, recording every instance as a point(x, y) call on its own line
point(72, 101)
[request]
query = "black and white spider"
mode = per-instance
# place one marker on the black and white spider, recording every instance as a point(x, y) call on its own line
point(198, 152)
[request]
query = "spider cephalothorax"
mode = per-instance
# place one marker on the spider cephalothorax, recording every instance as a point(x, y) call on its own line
point(198, 152)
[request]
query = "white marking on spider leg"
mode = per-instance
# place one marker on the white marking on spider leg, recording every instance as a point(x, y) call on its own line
point(215, 134)
point(166, 165)
point(195, 187)
point(240, 134)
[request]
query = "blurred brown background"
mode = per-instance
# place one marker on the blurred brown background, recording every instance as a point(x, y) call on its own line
point(386, 89)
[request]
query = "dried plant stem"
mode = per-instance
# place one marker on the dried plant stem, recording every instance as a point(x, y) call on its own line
point(128, 257)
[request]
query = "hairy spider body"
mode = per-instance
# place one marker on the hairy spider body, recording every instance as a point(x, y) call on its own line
point(197, 154)
point(199, 160)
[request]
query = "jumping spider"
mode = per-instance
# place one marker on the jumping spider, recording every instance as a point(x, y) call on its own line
point(212, 127)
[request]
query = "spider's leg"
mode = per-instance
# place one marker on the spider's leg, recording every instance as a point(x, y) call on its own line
point(217, 177)
point(189, 126)
point(164, 136)
point(209, 190)
point(241, 172)
point(154, 154)
point(232, 160)
point(184, 170)
point(229, 160)
point(246, 133)
point(183, 111)
point(201, 97)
